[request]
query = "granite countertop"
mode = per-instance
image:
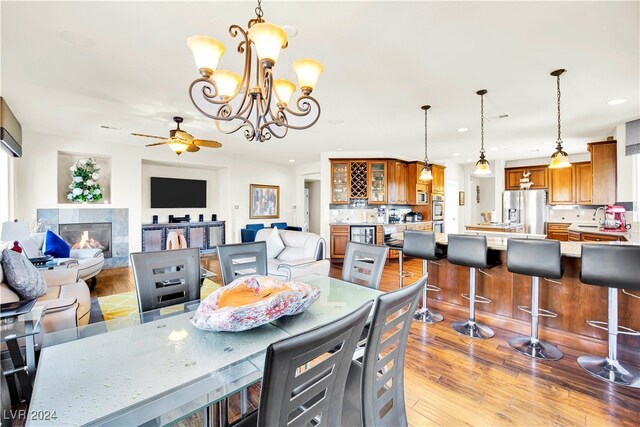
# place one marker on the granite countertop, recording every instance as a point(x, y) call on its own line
point(580, 227)
point(494, 226)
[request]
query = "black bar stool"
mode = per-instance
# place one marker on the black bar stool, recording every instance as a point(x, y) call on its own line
point(472, 251)
point(422, 245)
point(535, 258)
point(613, 267)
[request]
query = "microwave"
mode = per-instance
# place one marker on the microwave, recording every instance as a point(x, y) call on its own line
point(422, 197)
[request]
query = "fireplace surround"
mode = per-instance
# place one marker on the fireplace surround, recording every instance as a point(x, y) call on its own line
point(95, 235)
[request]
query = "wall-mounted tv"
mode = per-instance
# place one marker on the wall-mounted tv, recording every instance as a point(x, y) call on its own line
point(178, 193)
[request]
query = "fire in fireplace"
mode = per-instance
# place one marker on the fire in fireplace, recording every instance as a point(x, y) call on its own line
point(89, 235)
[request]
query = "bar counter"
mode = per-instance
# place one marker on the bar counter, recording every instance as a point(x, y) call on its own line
point(574, 302)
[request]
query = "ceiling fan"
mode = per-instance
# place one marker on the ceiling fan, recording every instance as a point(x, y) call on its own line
point(181, 141)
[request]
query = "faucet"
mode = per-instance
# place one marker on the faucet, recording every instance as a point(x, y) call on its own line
point(596, 212)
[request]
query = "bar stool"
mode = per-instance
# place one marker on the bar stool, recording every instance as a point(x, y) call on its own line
point(472, 251)
point(613, 267)
point(535, 258)
point(422, 245)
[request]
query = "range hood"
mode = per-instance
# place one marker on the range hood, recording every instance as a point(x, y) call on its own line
point(10, 131)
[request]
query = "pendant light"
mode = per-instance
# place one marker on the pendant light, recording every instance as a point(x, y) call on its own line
point(559, 159)
point(482, 166)
point(425, 174)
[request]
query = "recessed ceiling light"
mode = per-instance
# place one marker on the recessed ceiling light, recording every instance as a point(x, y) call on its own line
point(617, 101)
point(336, 121)
point(290, 30)
point(462, 129)
point(76, 39)
point(292, 161)
point(455, 154)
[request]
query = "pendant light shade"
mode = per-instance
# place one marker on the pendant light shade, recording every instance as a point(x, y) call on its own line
point(425, 174)
point(482, 166)
point(559, 159)
point(269, 39)
point(178, 147)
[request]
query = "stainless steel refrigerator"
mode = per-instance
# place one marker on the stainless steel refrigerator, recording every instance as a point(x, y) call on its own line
point(527, 207)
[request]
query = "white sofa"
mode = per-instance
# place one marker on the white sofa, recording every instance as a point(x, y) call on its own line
point(303, 253)
point(88, 262)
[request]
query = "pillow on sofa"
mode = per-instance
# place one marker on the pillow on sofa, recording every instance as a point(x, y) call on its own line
point(274, 243)
point(55, 246)
point(22, 276)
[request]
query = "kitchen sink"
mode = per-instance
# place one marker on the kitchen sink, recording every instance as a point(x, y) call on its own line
point(589, 226)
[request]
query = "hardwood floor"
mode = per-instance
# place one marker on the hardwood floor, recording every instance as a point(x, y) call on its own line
point(451, 380)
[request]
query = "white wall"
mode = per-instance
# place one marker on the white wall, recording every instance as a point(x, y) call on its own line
point(487, 197)
point(179, 171)
point(36, 180)
point(315, 207)
point(454, 182)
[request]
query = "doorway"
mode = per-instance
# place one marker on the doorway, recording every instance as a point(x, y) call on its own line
point(312, 205)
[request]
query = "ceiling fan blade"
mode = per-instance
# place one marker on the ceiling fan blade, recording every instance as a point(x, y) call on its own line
point(192, 148)
point(180, 134)
point(166, 141)
point(148, 136)
point(207, 143)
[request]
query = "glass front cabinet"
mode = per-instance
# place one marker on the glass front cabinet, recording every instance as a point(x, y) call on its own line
point(378, 182)
point(340, 182)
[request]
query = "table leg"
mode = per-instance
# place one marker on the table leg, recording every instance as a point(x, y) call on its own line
point(19, 368)
point(401, 267)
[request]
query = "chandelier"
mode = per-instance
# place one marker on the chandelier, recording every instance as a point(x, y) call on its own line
point(261, 108)
point(482, 166)
point(559, 159)
point(425, 174)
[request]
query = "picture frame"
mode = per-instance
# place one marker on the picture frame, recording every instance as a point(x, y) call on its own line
point(460, 198)
point(264, 201)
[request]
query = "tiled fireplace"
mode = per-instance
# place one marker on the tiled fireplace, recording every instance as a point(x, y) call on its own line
point(107, 229)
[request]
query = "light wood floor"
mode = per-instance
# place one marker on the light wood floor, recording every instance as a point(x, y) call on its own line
point(451, 380)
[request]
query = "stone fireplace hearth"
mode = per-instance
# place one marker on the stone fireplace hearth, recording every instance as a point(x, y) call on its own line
point(108, 228)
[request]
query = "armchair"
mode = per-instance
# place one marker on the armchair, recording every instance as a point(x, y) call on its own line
point(285, 226)
point(248, 234)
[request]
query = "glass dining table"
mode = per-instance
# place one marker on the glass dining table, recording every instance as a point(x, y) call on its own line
point(157, 368)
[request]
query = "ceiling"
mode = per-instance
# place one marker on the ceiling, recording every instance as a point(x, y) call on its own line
point(70, 67)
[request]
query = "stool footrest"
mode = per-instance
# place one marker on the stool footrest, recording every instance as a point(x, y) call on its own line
point(479, 299)
point(624, 291)
point(433, 288)
point(407, 273)
point(541, 312)
point(621, 330)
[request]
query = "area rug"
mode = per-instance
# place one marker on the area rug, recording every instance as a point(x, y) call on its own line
point(126, 304)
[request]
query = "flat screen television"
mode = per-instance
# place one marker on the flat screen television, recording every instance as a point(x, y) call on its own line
point(178, 193)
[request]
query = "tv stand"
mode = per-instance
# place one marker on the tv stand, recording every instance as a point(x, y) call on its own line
point(204, 235)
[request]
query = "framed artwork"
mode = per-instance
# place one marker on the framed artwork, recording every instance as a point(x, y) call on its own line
point(461, 198)
point(264, 201)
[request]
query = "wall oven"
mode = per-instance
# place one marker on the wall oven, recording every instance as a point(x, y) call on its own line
point(438, 226)
point(437, 208)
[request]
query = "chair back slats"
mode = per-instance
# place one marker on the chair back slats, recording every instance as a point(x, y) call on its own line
point(242, 259)
point(363, 264)
point(305, 375)
point(383, 361)
point(166, 278)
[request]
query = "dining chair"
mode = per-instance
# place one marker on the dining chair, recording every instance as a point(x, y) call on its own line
point(165, 278)
point(374, 395)
point(363, 264)
point(304, 375)
point(242, 259)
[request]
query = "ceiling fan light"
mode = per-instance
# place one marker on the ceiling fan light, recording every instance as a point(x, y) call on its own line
point(268, 39)
point(482, 167)
point(559, 160)
point(284, 89)
point(308, 70)
point(425, 174)
point(227, 82)
point(178, 147)
point(207, 52)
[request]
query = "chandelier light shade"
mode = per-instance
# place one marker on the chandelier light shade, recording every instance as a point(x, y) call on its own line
point(425, 173)
point(178, 147)
point(255, 101)
point(482, 166)
point(559, 159)
point(207, 52)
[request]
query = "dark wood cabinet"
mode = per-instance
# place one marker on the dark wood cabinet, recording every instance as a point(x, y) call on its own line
point(582, 181)
point(538, 177)
point(397, 182)
point(378, 182)
point(561, 188)
point(604, 165)
point(416, 188)
point(339, 182)
point(593, 237)
point(558, 230)
point(338, 241)
point(437, 184)
point(358, 179)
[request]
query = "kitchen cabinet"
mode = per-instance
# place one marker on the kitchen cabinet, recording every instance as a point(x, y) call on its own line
point(561, 188)
point(538, 177)
point(397, 182)
point(594, 237)
point(377, 182)
point(574, 236)
point(358, 179)
point(558, 230)
point(339, 182)
point(582, 179)
point(604, 170)
point(437, 184)
point(417, 191)
point(338, 241)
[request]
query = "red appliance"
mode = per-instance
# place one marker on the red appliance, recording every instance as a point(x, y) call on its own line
point(614, 219)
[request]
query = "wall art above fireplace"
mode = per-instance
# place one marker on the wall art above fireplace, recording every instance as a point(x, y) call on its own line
point(68, 171)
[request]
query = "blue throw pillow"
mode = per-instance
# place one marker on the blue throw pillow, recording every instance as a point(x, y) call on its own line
point(55, 246)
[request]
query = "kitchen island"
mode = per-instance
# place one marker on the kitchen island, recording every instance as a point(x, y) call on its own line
point(574, 302)
point(496, 227)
